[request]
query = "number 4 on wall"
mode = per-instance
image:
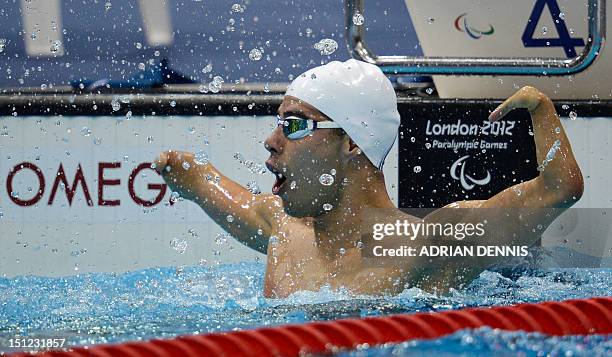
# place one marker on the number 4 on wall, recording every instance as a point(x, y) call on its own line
point(564, 40)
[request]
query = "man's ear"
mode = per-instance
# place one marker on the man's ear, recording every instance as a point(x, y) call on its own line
point(350, 150)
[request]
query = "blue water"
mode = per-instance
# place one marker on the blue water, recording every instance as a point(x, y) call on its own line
point(489, 342)
point(165, 302)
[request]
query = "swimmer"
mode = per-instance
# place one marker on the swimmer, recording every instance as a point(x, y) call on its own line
point(336, 125)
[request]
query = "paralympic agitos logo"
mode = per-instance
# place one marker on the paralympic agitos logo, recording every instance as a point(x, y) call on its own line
point(461, 24)
point(467, 182)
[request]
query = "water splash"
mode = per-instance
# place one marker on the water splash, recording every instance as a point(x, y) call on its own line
point(165, 302)
point(255, 54)
point(485, 341)
point(552, 152)
point(215, 85)
point(326, 46)
point(201, 158)
point(326, 179)
point(358, 19)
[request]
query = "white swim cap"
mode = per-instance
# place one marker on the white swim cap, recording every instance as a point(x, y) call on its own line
point(359, 97)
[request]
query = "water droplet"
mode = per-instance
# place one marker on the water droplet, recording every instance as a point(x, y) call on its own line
point(562, 15)
point(107, 6)
point(431, 20)
point(565, 107)
point(221, 238)
point(342, 251)
point(201, 158)
point(55, 46)
point(273, 241)
point(43, 86)
point(207, 68)
point(238, 8)
point(173, 104)
point(313, 76)
point(2, 44)
point(85, 131)
point(215, 85)
point(417, 169)
point(544, 30)
point(179, 244)
point(552, 152)
point(255, 54)
point(360, 244)
point(186, 165)
point(364, 124)
point(326, 179)
point(516, 190)
point(115, 104)
point(429, 90)
point(292, 185)
point(358, 19)
point(230, 218)
point(97, 141)
point(141, 66)
point(326, 46)
point(573, 115)
point(253, 187)
point(327, 207)
point(332, 171)
point(557, 130)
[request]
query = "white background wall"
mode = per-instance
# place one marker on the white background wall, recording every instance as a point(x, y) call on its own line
point(43, 239)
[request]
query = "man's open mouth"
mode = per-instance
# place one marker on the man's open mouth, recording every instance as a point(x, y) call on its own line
point(280, 179)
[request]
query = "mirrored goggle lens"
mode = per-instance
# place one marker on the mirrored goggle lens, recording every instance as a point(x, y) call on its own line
point(295, 128)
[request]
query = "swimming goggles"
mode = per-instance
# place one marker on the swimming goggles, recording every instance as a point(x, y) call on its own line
point(296, 128)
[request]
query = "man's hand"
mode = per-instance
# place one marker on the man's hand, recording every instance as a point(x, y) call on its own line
point(254, 217)
point(526, 97)
point(180, 172)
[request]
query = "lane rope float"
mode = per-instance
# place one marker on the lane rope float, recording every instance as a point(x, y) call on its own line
point(571, 317)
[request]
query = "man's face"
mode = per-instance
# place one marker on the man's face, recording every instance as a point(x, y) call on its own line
point(299, 164)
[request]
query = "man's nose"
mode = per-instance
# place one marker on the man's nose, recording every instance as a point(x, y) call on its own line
point(274, 143)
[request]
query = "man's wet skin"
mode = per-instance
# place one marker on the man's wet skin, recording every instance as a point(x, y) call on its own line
point(312, 247)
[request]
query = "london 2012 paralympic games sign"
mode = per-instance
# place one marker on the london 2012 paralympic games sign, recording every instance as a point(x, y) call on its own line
point(453, 154)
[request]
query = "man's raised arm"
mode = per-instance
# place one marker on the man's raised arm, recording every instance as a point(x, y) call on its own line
point(249, 218)
point(531, 206)
point(560, 183)
point(519, 214)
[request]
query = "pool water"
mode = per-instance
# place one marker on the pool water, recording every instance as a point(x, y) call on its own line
point(489, 342)
point(166, 302)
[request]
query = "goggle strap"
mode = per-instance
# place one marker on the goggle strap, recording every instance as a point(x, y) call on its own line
point(326, 125)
